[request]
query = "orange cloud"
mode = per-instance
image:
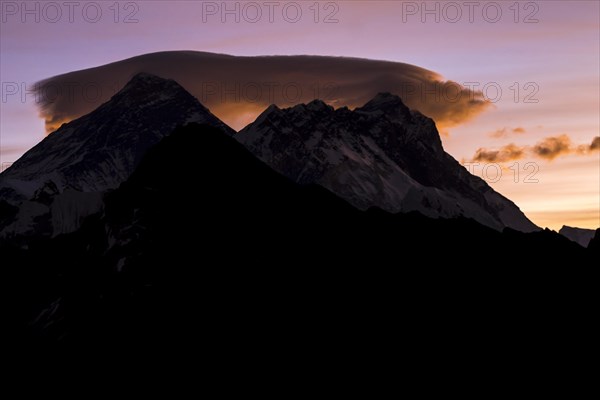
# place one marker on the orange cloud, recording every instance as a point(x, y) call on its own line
point(230, 86)
point(552, 147)
point(587, 149)
point(506, 153)
point(504, 132)
point(549, 148)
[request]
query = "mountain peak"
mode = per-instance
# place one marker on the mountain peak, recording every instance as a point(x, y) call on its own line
point(144, 85)
point(317, 105)
point(144, 76)
point(98, 151)
point(154, 96)
point(384, 101)
point(386, 96)
point(388, 104)
point(314, 106)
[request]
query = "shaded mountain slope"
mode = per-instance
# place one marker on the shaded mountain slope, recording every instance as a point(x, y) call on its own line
point(256, 252)
point(380, 155)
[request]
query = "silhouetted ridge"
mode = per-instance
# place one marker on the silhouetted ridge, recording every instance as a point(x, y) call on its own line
point(161, 258)
point(379, 155)
point(93, 154)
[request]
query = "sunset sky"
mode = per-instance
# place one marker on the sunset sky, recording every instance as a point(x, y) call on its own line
point(547, 51)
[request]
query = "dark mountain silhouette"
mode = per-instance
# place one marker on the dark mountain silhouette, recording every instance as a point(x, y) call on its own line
point(594, 244)
point(253, 253)
point(578, 235)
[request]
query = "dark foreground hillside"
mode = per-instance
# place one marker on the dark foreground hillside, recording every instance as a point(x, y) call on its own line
point(207, 248)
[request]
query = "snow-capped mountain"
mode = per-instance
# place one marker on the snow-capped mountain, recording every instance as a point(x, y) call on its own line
point(62, 179)
point(382, 154)
point(100, 150)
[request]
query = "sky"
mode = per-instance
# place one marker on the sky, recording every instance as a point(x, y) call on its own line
point(537, 63)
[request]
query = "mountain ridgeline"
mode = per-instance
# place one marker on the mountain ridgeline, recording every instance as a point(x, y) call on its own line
point(252, 249)
point(62, 180)
point(379, 155)
point(201, 229)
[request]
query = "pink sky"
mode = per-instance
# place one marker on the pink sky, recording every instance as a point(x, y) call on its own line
point(557, 56)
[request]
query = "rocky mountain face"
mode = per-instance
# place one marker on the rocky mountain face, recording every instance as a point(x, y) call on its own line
point(61, 180)
point(594, 244)
point(249, 252)
point(379, 155)
point(578, 235)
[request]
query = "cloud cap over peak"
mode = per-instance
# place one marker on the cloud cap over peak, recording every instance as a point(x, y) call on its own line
point(238, 89)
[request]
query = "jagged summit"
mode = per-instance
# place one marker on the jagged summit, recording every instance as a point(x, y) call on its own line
point(147, 90)
point(384, 100)
point(389, 105)
point(383, 104)
point(145, 81)
point(147, 77)
point(318, 105)
point(382, 154)
point(144, 78)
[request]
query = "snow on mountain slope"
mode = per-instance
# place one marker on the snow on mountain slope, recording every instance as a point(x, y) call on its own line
point(100, 150)
point(97, 152)
point(382, 154)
